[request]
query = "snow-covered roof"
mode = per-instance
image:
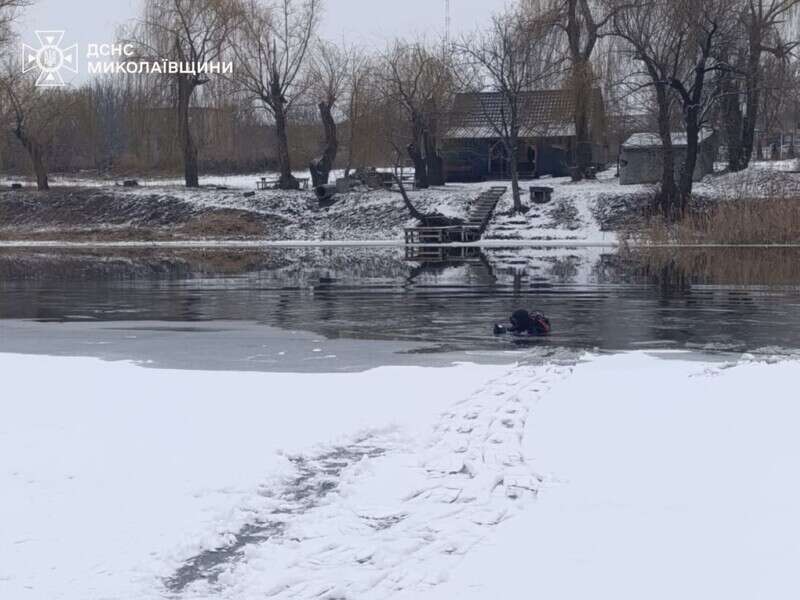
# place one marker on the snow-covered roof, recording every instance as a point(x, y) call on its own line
point(653, 140)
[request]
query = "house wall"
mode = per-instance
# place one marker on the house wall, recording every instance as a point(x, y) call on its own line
point(554, 158)
point(468, 160)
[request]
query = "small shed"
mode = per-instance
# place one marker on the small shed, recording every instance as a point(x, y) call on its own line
point(641, 157)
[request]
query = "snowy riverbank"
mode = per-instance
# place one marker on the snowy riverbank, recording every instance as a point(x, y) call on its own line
point(657, 475)
point(586, 212)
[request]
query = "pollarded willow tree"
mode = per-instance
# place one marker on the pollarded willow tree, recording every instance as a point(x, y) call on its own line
point(271, 47)
point(330, 73)
point(515, 54)
point(195, 34)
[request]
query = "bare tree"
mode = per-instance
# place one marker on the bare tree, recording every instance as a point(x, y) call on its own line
point(650, 42)
point(330, 70)
point(678, 43)
point(31, 115)
point(513, 56)
point(193, 33)
point(271, 48)
point(419, 82)
point(9, 11)
point(27, 111)
point(762, 20)
point(703, 27)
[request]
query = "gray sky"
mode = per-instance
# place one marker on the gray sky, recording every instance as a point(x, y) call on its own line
point(367, 22)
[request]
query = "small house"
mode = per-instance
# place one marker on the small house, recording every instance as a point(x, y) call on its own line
point(473, 150)
point(642, 157)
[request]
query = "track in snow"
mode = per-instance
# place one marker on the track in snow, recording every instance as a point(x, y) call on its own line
point(383, 514)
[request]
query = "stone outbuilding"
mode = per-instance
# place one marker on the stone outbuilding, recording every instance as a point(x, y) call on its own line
point(641, 157)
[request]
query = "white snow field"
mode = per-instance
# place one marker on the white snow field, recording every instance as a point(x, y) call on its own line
point(665, 479)
point(112, 474)
point(639, 475)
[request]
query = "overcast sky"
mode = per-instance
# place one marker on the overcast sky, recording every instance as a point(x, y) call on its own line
point(368, 22)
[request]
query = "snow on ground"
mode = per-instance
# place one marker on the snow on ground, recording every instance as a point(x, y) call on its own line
point(640, 475)
point(111, 473)
point(759, 181)
point(362, 214)
point(583, 212)
point(664, 479)
point(569, 216)
point(786, 164)
point(451, 200)
point(239, 181)
point(573, 211)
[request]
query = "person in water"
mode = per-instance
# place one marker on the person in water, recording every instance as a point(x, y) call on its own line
point(525, 323)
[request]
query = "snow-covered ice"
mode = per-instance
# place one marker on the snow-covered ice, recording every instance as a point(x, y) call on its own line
point(638, 475)
point(665, 478)
point(111, 473)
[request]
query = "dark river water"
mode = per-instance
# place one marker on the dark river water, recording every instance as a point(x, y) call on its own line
point(436, 302)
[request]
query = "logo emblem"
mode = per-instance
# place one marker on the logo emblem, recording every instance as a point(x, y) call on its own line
point(49, 58)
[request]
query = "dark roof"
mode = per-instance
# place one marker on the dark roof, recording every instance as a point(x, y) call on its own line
point(543, 113)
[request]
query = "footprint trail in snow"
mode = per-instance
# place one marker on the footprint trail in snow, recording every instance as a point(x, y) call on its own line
point(383, 515)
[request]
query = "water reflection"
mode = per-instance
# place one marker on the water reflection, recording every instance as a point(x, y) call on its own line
point(449, 297)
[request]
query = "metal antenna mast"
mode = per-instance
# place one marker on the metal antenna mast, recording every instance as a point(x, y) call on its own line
point(447, 25)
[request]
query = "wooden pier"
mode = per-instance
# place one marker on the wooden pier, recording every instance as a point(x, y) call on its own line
point(443, 254)
point(471, 231)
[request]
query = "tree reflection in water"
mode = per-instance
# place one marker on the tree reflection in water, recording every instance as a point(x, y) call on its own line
point(737, 298)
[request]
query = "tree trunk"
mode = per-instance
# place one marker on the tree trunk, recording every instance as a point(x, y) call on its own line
point(513, 158)
point(582, 89)
point(411, 208)
point(420, 168)
point(753, 98)
point(39, 168)
point(732, 119)
point(36, 154)
point(321, 167)
point(692, 145)
point(692, 112)
point(190, 169)
point(581, 36)
point(415, 153)
point(433, 159)
point(287, 180)
point(667, 199)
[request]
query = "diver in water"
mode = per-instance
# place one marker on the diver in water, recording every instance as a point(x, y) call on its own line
point(525, 323)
